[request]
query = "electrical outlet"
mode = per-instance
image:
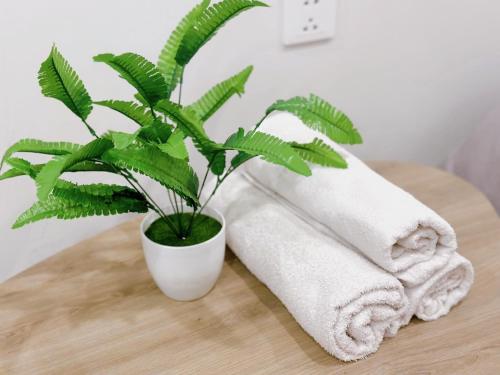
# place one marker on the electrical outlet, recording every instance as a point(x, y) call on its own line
point(306, 21)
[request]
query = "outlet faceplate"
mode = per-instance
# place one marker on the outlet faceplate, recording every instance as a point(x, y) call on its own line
point(307, 21)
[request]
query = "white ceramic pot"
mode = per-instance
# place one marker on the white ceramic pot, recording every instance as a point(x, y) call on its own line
point(185, 273)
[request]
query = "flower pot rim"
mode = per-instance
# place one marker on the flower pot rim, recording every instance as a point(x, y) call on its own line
point(216, 214)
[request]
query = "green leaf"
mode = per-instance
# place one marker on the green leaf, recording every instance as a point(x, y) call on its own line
point(175, 145)
point(159, 132)
point(207, 25)
point(141, 100)
point(320, 115)
point(86, 166)
point(269, 147)
point(166, 61)
point(139, 72)
point(58, 80)
point(68, 209)
point(122, 140)
point(218, 164)
point(140, 114)
point(11, 173)
point(215, 98)
point(318, 152)
point(48, 175)
point(20, 167)
point(24, 168)
point(175, 174)
point(90, 194)
point(188, 122)
point(240, 158)
point(40, 147)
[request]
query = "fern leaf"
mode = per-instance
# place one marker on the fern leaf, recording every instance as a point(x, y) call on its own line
point(187, 121)
point(40, 147)
point(175, 174)
point(318, 152)
point(28, 169)
point(58, 80)
point(13, 172)
point(90, 194)
point(207, 25)
point(320, 115)
point(218, 162)
point(167, 65)
point(269, 147)
point(122, 140)
point(175, 145)
point(240, 158)
point(158, 133)
point(48, 175)
point(137, 113)
point(141, 100)
point(68, 209)
point(20, 167)
point(85, 166)
point(215, 98)
point(139, 72)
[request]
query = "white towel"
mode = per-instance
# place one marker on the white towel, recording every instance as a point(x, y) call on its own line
point(436, 296)
point(387, 224)
point(346, 303)
point(444, 284)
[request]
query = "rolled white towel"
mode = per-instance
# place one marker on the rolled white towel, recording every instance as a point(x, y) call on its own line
point(387, 224)
point(346, 303)
point(434, 287)
point(436, 296)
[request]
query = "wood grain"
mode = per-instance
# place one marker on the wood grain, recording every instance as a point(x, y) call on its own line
point(94, 309)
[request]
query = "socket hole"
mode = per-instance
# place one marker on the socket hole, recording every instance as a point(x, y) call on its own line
point(316, 1)
point(315, 27)
point(306, 2)
point(305, 28)
point(310, 19)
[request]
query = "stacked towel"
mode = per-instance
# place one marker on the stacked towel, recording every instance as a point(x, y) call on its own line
point(429, 299)
point(345, 302)
point(385, 223)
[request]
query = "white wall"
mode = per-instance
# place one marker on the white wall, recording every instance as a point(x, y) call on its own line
point(415, 76)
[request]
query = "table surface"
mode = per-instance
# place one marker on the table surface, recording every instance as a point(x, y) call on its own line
point(94, 309)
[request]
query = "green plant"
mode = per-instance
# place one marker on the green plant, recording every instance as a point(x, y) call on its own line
point(157, 149)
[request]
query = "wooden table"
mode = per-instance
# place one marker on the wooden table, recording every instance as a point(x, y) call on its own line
point(94, 309)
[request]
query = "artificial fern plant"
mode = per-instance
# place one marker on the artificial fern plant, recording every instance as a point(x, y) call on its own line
point(157, 148)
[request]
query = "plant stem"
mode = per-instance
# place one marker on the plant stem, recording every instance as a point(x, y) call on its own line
point(177, 212)
point(170, 199)
point(174, 209)
point(155, 206)
point(200, 191)
point(152, 112)
point(90, 129)
point(220, 180)
point(181, 81)
point(182, 233)
point(205, 177)
point(217, 185)
point(260, 122)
